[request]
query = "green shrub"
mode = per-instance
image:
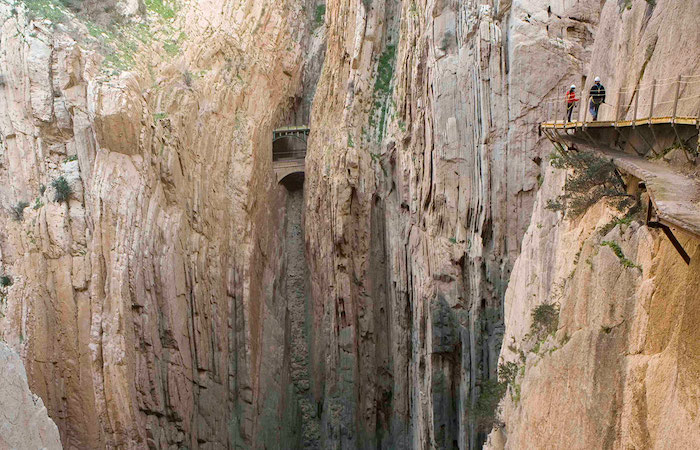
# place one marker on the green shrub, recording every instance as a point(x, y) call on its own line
point(159, 116)
point(507, 372)
point(385, 70)
point(592, 179)
point(63, 189)
point(45, 9)
point(17, 210)
point(5, 281)
point(545, 319)
point(320, 15)
point(486, 410)
point(620, 255)
point(171, 47)
point(37, 203)
point(161, 8)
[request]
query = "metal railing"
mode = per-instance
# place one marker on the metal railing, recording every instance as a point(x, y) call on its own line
point(669, 99)
point(298, 131)
point(291, 149)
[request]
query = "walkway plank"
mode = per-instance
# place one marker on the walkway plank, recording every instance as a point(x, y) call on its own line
point(560, 124)
point(675, 196)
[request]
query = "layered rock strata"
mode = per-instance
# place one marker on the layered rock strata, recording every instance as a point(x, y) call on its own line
point(179, 297)
point(140, 303)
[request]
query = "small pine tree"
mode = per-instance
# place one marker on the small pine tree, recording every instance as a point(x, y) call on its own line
point(592, 179)
point(545, 319)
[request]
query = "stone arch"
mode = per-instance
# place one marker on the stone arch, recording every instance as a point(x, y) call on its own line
point(293, 179)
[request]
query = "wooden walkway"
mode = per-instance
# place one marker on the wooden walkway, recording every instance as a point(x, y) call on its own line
point(675, 196)
point(672, 108)
point(562, 125)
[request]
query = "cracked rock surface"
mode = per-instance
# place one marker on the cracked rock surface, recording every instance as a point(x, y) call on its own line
point(24, 421)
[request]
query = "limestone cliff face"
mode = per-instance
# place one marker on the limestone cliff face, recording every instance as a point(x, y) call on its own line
point(621, 369)
point(424, 157)
point(24, 422)
point(180, 297)
point(139, 303)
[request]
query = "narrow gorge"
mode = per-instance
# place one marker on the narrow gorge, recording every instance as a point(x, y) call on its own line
point(349, 224)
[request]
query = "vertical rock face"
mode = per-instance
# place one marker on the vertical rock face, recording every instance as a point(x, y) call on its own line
point(623, 359)
point(621, 368)
point(140, 303)
point(425, 158)
point(164, 291)
point(428, 182)
point(24, 422)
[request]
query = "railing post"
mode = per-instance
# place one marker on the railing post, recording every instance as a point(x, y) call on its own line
point(636, 103)
point(617, 107)
point(675, 99)
point(585, 111)
point(556, 117)
point(653, 94)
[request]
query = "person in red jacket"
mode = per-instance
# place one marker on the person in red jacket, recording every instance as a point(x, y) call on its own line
point(571, 102)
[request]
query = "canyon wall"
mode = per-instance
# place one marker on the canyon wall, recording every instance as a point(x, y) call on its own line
point(178, 296)
point(424, 156)
point(24, 422)
point(621, 366)
point(143, 304)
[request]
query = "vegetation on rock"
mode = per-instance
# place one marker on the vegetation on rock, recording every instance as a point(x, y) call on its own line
point(591, 179)
point(490, 394)
point(545, 319)
point(17, 210)
point(63, 189)
point(620, 254)
point(320, 15)
point(5, 281)
point(382, 89)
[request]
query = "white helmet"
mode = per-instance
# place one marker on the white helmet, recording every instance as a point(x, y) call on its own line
point(573, 86)
point(597, 79)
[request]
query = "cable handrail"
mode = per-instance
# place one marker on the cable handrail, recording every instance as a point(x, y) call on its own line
point(656, 99)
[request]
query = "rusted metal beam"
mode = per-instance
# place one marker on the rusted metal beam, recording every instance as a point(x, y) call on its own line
point(669, 234)
point(636, 103)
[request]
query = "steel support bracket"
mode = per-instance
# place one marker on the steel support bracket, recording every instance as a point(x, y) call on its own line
point(669, 234)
